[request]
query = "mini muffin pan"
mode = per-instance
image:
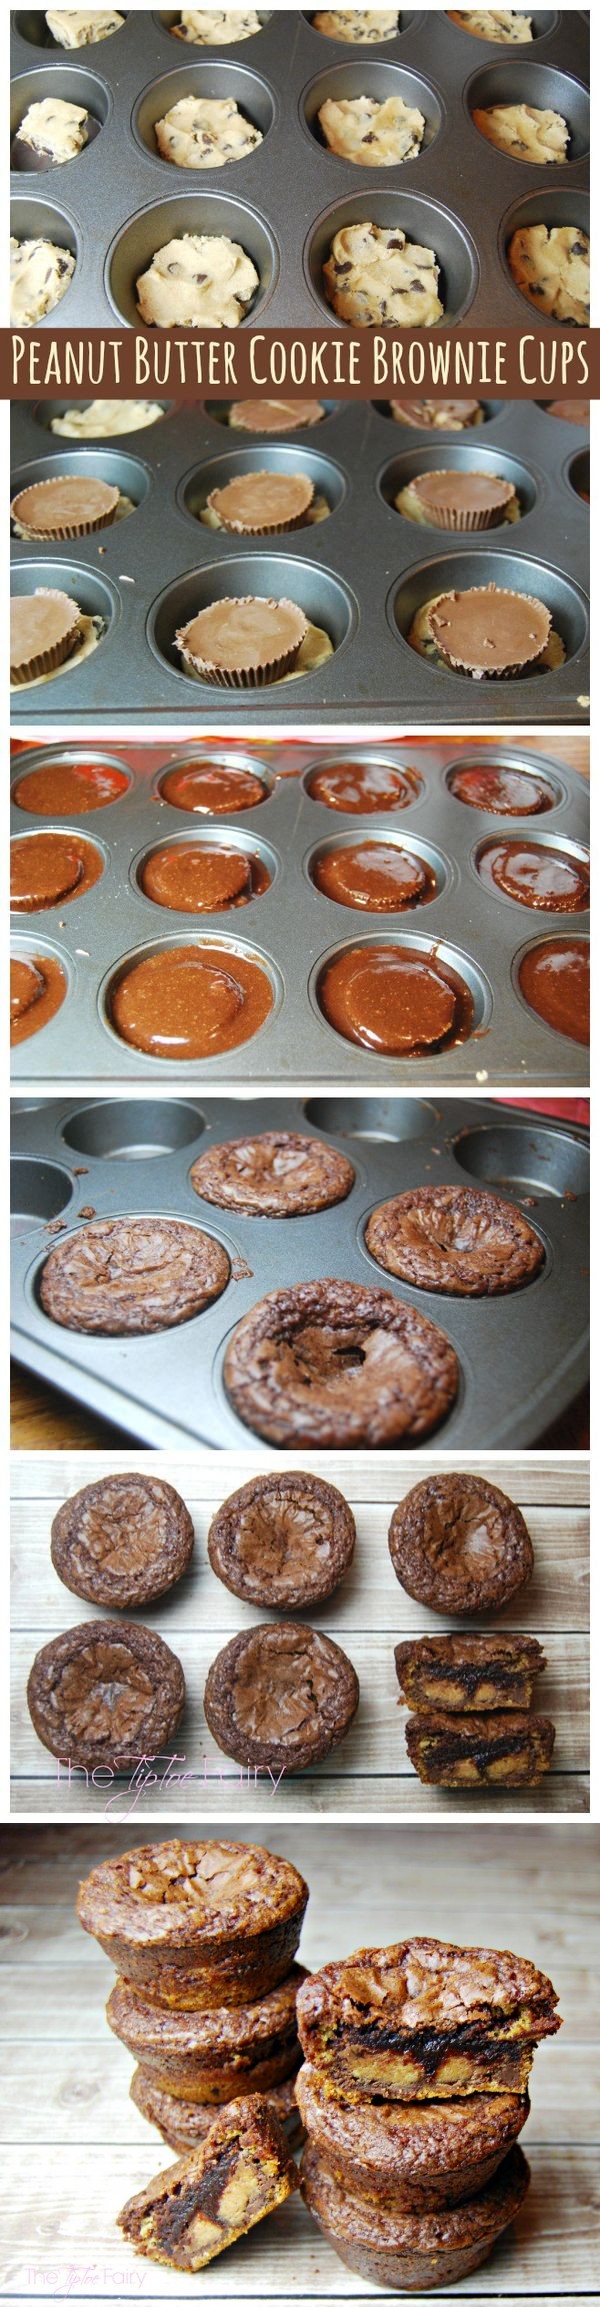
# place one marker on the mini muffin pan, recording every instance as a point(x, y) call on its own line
point(293, 929)
point(522, 1358)
point(119, 201)
point(361, 574)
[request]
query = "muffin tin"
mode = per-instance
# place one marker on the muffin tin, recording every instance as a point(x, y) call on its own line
point(286, 200)
point(361, 574)
point(293, 928)
point(522, 1358)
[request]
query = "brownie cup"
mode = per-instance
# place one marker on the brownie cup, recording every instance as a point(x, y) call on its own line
point(122, 1541)
point(184, 2125)
point(37, 990)
point(456, 1239)
point(395, 1000)
point(191, 1001)
point(548, 880)
point(210, 2057)
point(49, 869)
point(502, 791)
point(201, 2204)
point(361, 787)
point(418, 2253)
point(554, 978)
point(335, 1365)
point(280, 1698)
point(280, 1174)
point(504, 1749)
point(458, 1544)
point(469, 1673)
point(426, 2020)
point(128, 1276)
point(409, 2158)
point(374, 877)
point(196, 1923)
point(284, 1540)
point(106, 1693)
point(190, 877)
point(69, 788)
point(212, 788)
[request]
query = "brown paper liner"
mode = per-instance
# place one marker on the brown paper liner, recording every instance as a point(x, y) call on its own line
point(451, 519)
point(47, 660)
point(246, 677)
point(267, 528)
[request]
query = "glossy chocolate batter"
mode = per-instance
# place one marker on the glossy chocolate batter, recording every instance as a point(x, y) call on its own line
point(333, 1365)
point(190, 1001)
point(547, 879)
point(280, 1697)
point(37, 989)
point(375, 876)
point(49, 869)
point(502, 792)
point(555, 980)
point(69, 788)
point(359, 787)
point(212, 789)
point(191, 877)
point(397, 1002)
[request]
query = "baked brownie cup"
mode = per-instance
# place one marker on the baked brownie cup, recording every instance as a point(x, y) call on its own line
point(375, 877)
point(37, 990)
point(280, 1174)
point(196, 1923)
point(395, 1000)
point(191, 1001)
point(547, 879)
point(284, 1540)
point(212, 789)
point(122, 1541)
point(419, 2158)
point(280, 1697)
point(69, 788)
point(554, 978)
point(457, 500)
point(469, 1673)
point(49, 869)
point(244, 643)
point(425, 2020)
point(335, 1365)
point(263, 504)
point(273, 416)
point(503, 792)
point(210, 2057)
point(44, 630)
point(419, 2253)
point(438, 416)
point(458, 1544)
point(200, 2205)
point(67, 506)
point(191, 877)
point(480, 1750)
point(184, 2125)
point(106, 1693)
point(488, 632)
point(361, 787)
point(457, 1239)
point(132, 1275)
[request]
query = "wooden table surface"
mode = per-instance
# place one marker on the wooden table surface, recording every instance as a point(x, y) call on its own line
point(369, 1612)
point(75, 2147)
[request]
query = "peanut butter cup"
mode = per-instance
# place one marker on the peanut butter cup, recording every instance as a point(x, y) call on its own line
point(69, 788)
point(198, 1923)
point(548, 879)
point(122, 1541)
point(458, 1239)
point(183, 2124)
point(104, 1692)
point(409, 2158)
point(67, 506)
point(243, 643)
point(395, 1001)
point(284, 1540)
point(458, 1544)
point(195, 2209)
point(209, 2057)
point(212, 788)
point(426, 2020)
point(502, 791)
point(191, 1001)
point(374, 877)
point(438, 416)
point(459, 500)
point(554, 978)
point(277, 1175)
point(358, 787)
point(335, 1365)
point(488, 632)
point(279, 1698)
point(572, 412)
point(132, 1275)
point(263, 504)
point(37, 990)
point(49, 869)
point(495, 1749)
point(190, 877)
point(44, 630)
point(273, 416)
point(407, 2253)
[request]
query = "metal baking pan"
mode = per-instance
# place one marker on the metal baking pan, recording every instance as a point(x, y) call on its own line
point(293, 927)
point(119, 201)
point(361, 574)
point(522, 1358)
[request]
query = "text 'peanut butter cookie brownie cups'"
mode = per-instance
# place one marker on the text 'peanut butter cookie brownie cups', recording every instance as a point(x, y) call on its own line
point(458, 1544)
point(284, 1540)
point(403, 2157)
point(122, 1541)
point(210, 2057)
point(281, 1697)
point(331, 1364)
point(455, 1239)
point(426, 2020)
point(197, 1923)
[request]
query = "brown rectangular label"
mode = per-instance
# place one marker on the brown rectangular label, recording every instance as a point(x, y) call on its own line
point(345, 364)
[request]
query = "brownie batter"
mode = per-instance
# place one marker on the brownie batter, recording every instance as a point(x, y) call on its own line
point(37, 989)
point(106, 1693)
point(125, 1276)
point(410, 2158)
point(280, 1697)
point(335, 1365)
point(212, 789)
point(196, 2208)
point(480, 1750)
point(191, 1001)
point(458, 1239)
point(426, 2020)
point(502, 792)
point(69, 788)
point(488, 632)
point(547, 879)
point(405, 2253)
point(554, 978)
point(49, 869)
point(277, 1175)
point(122, 1541)
point(438, 416)
point(199, 1923)
point(375, 876)
point(359, 787)
point(209, 2057)
point(459, 1544)
point(190, 877)
point(469, 1673)
point(273, 416)
point(183, 2124)
point(285, 1540)
point(395, 1001)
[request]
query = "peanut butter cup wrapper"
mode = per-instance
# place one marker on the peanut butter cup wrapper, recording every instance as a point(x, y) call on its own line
point(61, 531)
point(47, 660)
point(267, 528)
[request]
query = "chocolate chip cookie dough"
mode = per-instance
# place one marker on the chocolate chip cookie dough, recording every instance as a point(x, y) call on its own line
point(508, 26)
point(551, 267)
point(196, 2208)
point(198, 280)
point(55, 128)
point(456, 1239)
point(372, 134)
point(106, 1693)
point(280, 1697)
point(277, 1175)
point(216, 27)
point(361, 26)
point(121, 1276)
point(122, 1541)
point(104, 420)
point(524, 132)
point(284, 1540)
point(205, 132)
point(334, 1365)
point(82, 27)
point(40, 274)
point(458, 1544)
point(374, 275)
point(198, 1923)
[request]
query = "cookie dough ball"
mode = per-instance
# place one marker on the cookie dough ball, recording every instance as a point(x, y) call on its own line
point(199, 280)
point(375, 275)
point(82, 27)
point(551, 267)
point(524, 132)
point(104, 420)
point(362, 26)
point(504, 25)
point(40, 275)
point(371, 134)
point(205, 132)
point(55, 128)
point(216, 27)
